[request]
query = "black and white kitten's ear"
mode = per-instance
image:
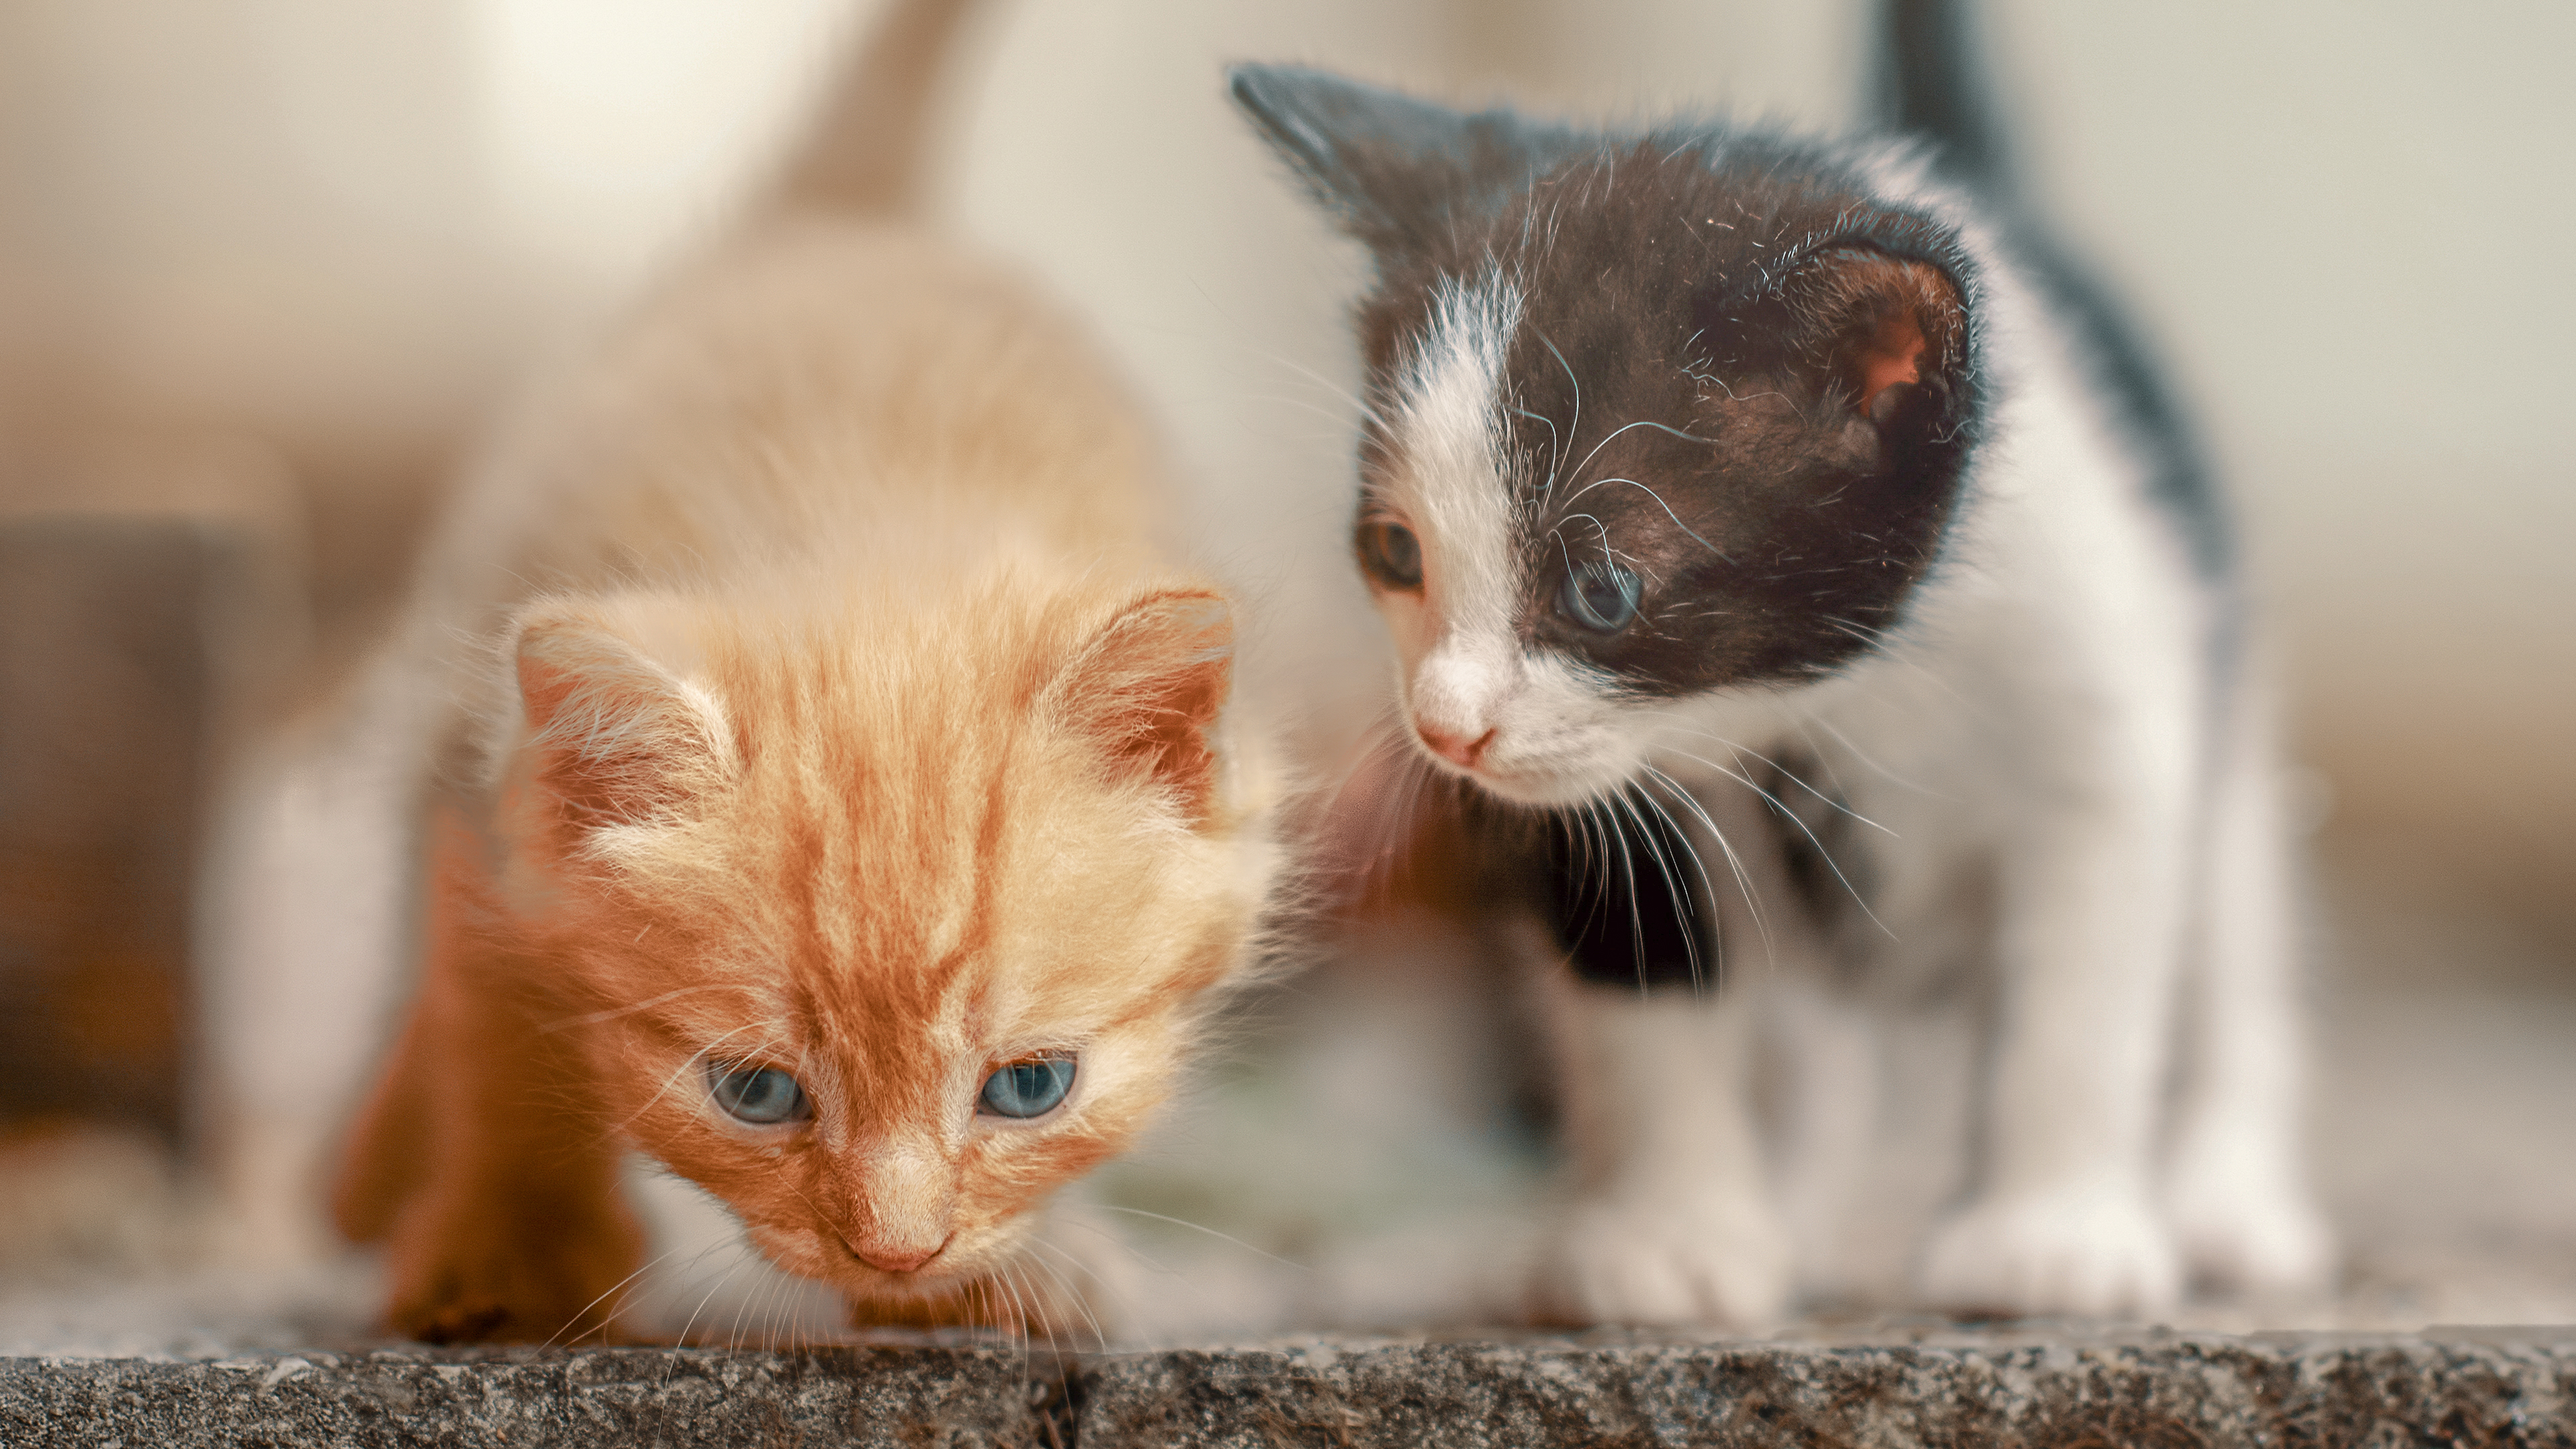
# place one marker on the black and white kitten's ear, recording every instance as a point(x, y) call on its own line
point(1875, 337)
point(1147, 687)
point(611, 736)
point(1393, 170)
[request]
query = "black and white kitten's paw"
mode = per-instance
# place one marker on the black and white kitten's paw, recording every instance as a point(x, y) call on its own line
point(1669, 1261)
point(2244, 1230)
point(2086, 1252)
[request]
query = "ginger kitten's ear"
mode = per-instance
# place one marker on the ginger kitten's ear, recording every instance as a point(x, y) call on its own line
point(612, 736)
point(1146, 687)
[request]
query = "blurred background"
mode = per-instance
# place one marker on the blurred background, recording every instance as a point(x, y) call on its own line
point(267, 267)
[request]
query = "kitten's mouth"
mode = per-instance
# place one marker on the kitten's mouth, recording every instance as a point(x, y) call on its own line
point(1530, 785)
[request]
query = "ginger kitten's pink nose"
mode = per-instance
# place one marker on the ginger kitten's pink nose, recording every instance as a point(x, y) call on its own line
point(898, 1260)
point(1460, 752)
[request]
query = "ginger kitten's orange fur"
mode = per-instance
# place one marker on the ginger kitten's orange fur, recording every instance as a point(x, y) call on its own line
point(841, 725)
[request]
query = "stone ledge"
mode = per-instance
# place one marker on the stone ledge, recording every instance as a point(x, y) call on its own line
point(626, 1397)
point(2485, 1387)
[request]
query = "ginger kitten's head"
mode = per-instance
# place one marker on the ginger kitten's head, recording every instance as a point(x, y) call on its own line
point(1652, 417)
point(891, 914)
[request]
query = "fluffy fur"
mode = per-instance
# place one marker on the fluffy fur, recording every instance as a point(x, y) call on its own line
point(1926, 682)
point(813, 703)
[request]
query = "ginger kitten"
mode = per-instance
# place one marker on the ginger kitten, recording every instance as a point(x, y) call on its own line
point(834, 799)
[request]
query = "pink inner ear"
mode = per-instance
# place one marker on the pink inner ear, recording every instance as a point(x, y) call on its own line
point(613, 738)
point(1150, 683)
point(1893, 356)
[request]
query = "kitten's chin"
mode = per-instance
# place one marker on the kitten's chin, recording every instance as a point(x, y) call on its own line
point(1542, 789)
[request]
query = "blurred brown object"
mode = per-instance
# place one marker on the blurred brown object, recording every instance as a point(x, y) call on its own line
point(150, 606)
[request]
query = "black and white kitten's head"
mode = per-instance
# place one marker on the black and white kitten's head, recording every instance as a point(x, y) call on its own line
point(1651, 416)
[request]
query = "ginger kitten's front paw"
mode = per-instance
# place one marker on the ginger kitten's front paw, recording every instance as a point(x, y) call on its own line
point(1678, 1262)
point(465, 1276)
point(2091, 1253)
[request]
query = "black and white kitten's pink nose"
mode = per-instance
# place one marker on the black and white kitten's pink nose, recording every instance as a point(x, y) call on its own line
point(1453, 746)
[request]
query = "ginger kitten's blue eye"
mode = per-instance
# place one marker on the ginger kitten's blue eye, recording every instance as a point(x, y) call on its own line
point(1391, 552)
point(761, 1096)
point(1026, 1089)
point(1601, 595)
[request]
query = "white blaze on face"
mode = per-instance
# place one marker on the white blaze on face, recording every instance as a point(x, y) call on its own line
point(1555, 736)
point(1461, 660)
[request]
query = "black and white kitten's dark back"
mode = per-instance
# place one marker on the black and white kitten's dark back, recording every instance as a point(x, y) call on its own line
point(1757, 509)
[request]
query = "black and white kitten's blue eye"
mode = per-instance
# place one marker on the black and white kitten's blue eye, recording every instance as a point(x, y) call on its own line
point(1601, 595)
point(761, 1096)
point(1390, 552)
point(1026, 1089)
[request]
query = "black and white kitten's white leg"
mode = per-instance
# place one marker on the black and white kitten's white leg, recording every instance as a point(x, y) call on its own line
point(2235, 1189)
point(1671, 1219)
point(2092, 889)
point(1828, 1050)
point(1812, 873)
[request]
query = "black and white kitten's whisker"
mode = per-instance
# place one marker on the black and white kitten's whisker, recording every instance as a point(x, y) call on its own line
point(1573, 429)
point(1598, 527)
point(1748, 782)
point(1659, 502)
point(1629, 800)
point(1890, 648)
point(1807, 720)
point(1832, 802)
point(1555, 449)
point(1593, 835)
point(1396, 771)
point(1615, 433)
point(1698, 865)
point(1340, 421)
point(1627, 857)
point(1745, 778)
point(1637, 802)
point(1733, 396)
point(1735, 863)
point(1360, 407)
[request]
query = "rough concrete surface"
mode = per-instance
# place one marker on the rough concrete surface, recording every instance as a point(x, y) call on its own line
point(915, 1397)
point(1963, 1389)
point(2493, 1387)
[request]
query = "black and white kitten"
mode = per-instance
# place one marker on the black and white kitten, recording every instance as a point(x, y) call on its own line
point(1742, 500)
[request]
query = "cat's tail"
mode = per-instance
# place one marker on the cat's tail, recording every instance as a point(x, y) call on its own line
point(1929, 83)
point(865, 151)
